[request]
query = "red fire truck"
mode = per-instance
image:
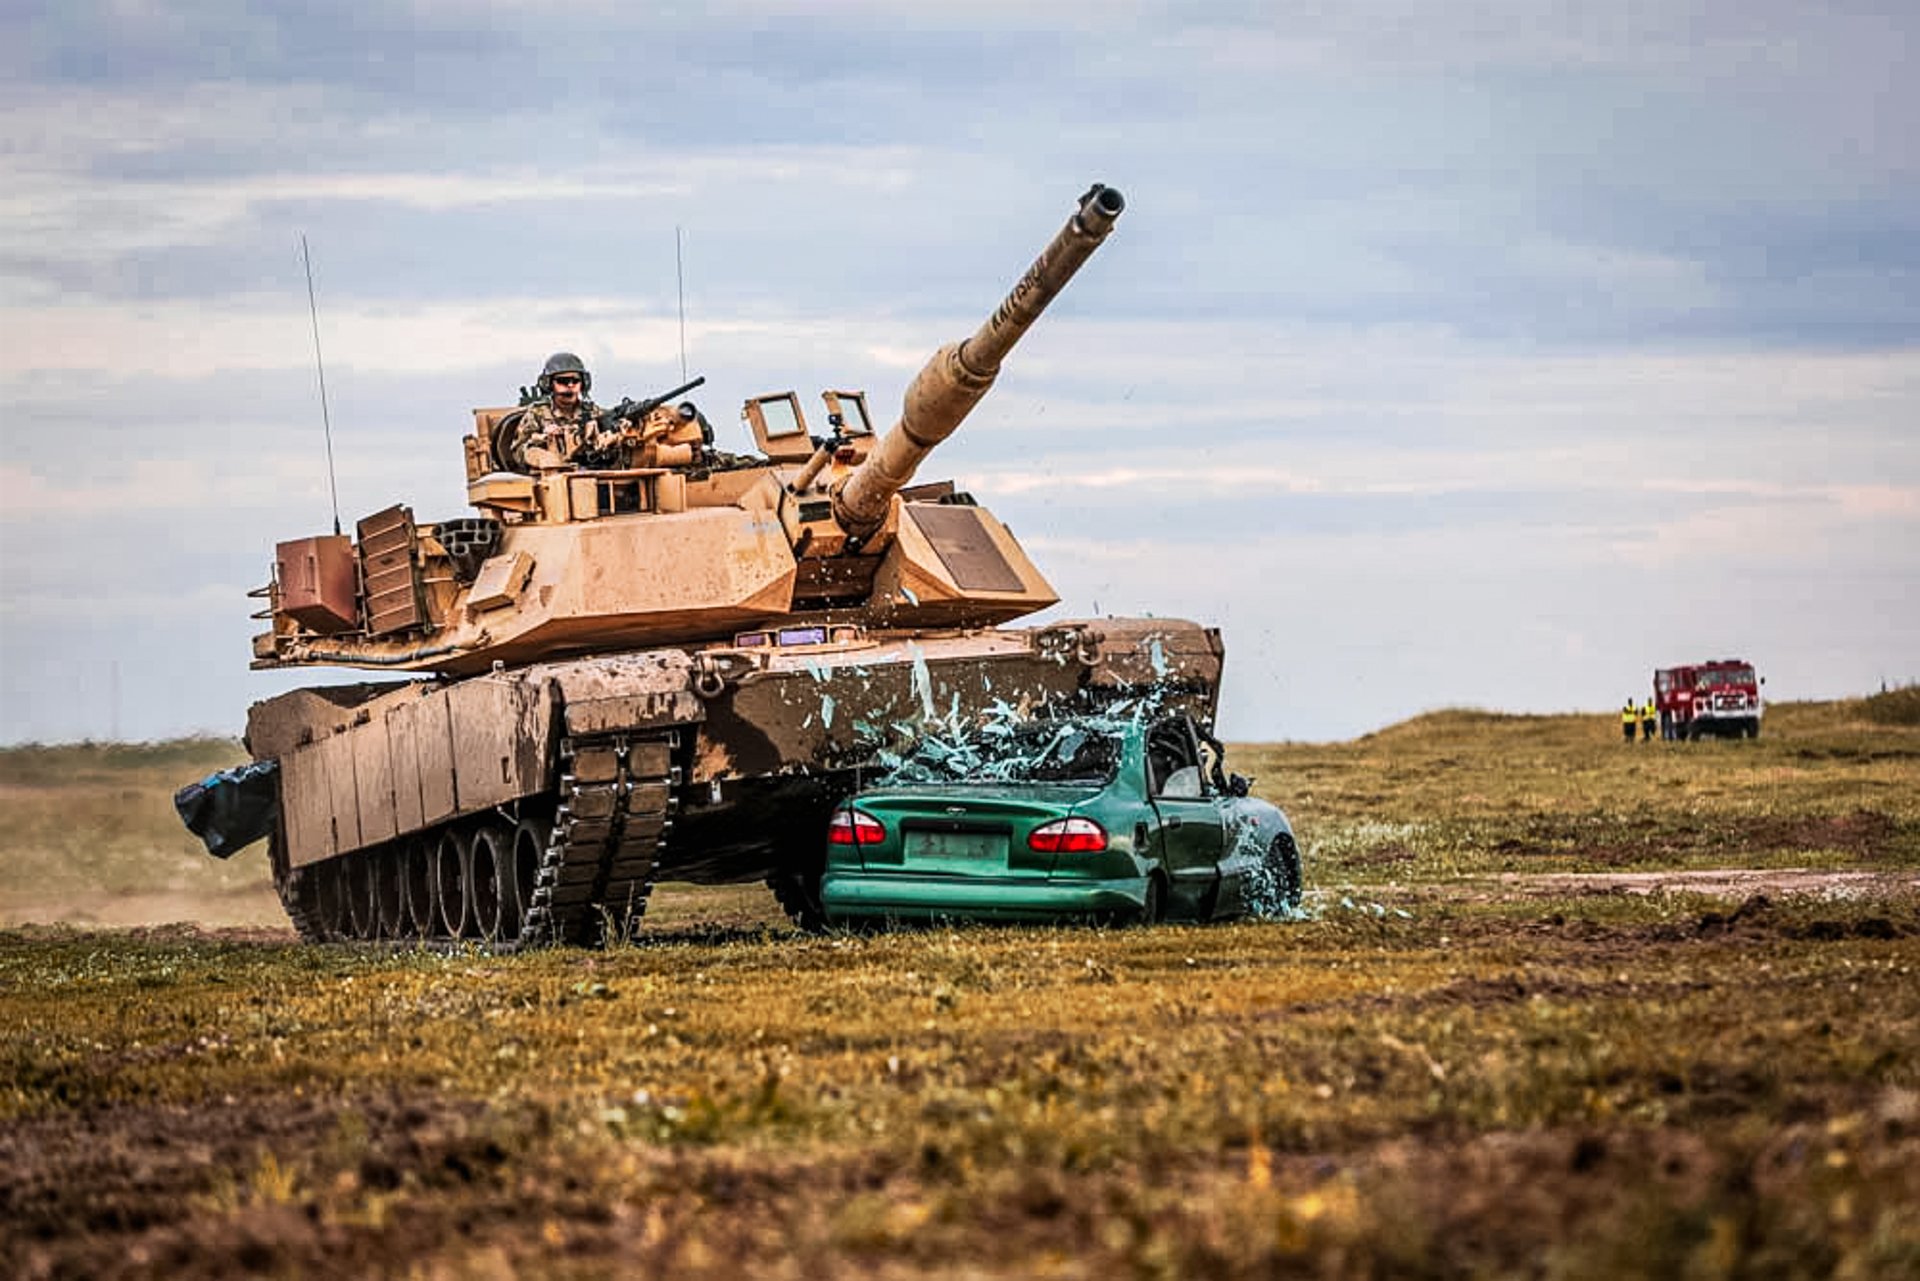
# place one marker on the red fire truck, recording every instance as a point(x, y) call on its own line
point(1720, 697)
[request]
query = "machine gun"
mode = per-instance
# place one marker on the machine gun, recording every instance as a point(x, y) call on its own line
point(634, 414)
point(637, 410)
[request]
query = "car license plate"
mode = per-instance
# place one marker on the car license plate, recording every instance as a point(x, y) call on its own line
point(964, 847)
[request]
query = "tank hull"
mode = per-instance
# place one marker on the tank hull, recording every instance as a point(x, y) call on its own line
point(542, 803)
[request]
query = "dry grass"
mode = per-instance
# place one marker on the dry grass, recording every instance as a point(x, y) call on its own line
point(1408, 1082)
point(1460, 793)
point(97, 817)
point(1891, 707)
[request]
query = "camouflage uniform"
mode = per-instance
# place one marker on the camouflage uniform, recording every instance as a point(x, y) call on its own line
point(544, 425)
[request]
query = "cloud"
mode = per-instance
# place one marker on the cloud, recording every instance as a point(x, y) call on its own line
point(1529, 176)
point(1429, 336)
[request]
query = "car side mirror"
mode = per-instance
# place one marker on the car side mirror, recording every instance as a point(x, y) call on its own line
point(1238, 785)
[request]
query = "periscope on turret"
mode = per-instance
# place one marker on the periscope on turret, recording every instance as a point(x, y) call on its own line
point(672, 669)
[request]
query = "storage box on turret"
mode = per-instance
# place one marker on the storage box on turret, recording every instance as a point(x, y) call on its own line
point(318, 586)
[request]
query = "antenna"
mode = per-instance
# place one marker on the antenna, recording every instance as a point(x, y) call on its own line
point(326, 421)
point(680, 279)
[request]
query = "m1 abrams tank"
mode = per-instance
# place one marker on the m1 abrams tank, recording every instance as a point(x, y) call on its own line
point(670, 671)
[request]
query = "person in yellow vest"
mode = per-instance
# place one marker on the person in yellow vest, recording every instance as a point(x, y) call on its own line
point(1649, 721)
point(1629, 719)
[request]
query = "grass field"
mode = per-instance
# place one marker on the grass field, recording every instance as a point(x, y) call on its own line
point(1509, 1036)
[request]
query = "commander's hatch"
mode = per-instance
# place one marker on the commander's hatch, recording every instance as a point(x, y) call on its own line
point(779, 430)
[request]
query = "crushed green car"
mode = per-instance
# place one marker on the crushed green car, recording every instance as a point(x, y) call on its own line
point(1100, 817)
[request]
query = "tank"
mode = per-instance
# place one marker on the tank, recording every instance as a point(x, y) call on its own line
point(671, 665)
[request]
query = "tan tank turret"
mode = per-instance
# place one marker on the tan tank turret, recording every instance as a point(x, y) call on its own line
point(668, 669)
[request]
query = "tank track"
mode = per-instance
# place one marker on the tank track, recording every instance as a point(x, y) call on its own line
point(617, 798)
point(615, 805)
point(299, 894)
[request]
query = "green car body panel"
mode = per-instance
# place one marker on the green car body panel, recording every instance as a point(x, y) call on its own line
point(961, 850)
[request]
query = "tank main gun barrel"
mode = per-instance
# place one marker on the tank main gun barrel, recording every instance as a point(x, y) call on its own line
point(948, 387)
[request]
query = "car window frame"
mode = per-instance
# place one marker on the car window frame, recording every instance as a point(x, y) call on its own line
point(1181, 724)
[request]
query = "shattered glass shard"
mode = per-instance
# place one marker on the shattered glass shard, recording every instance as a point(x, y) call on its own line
point(922, 681)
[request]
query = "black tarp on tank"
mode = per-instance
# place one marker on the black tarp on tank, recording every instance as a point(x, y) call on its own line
point(232, 809)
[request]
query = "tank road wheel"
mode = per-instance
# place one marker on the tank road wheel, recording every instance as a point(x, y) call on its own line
point(1282, 878)
point(363, 909)
point(489, 851)
point(450, 882)
point(522, 874)
point(390, 890)
point(330, 895)
point(416, 871)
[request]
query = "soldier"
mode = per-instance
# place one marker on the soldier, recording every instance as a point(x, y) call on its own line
point(555, 428)
point(1649, 721)
point(1629, 719)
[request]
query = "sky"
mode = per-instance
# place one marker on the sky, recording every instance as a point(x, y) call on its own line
point(1483, 354)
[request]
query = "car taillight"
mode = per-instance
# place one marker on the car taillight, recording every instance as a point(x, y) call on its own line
point(855, 827)
point(1068, 836)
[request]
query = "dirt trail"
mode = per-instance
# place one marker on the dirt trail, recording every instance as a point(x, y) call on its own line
point(256, 908)
point(1724, 882)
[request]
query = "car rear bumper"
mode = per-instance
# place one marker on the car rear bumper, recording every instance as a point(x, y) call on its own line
point(986, 898)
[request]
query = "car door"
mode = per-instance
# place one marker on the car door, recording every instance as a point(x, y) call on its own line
point(1190, 833)
point(1242, 843)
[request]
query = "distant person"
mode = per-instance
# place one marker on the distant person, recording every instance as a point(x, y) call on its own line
point(1649, 721)
point(559, 425)
point(1629, 720)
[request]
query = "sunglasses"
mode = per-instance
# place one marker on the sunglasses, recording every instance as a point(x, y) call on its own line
point(567, 380)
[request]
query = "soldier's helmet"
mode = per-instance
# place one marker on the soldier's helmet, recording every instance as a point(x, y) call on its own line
point(564, 362)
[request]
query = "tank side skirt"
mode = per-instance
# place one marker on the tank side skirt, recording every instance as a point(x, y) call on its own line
point(618, 794)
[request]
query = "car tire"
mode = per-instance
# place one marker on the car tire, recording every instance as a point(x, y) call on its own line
point(1283, 868)
point(1154, 906)
point(799, 896)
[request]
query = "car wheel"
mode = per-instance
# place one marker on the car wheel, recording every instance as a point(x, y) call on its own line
point(1155, 905)
point(1283, 877)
